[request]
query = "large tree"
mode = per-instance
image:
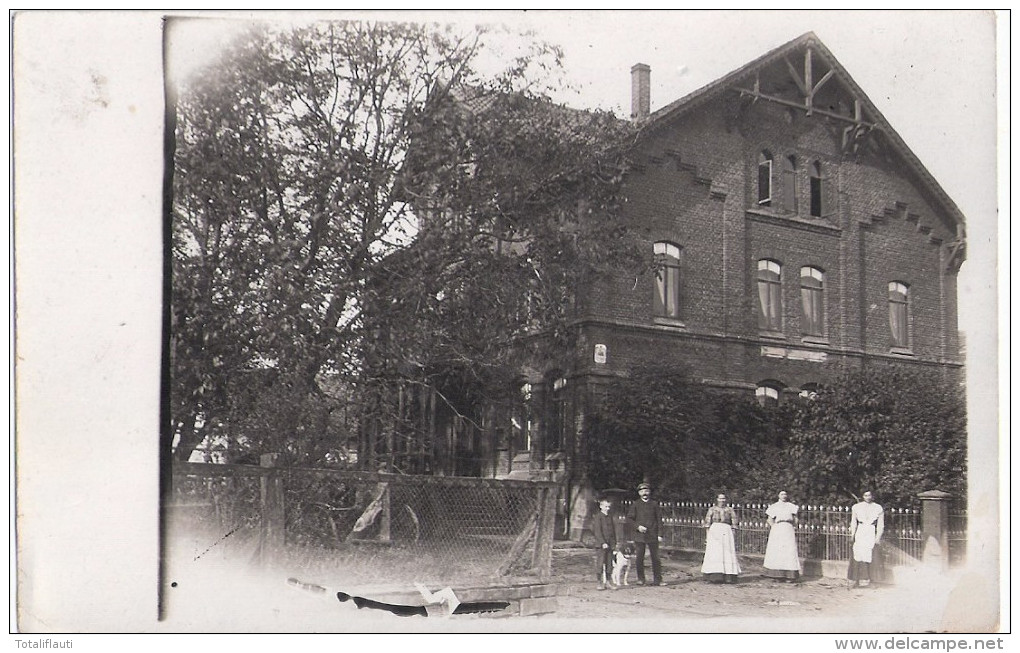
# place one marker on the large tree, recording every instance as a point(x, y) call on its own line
point(339, 180)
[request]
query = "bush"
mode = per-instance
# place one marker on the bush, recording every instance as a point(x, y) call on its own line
point(686, 439)
point(897, 432)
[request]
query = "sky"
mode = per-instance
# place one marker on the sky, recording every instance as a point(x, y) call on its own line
point(88, 145)
point(931, 74)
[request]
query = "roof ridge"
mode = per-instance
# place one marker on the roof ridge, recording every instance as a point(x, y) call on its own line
point(696, 97)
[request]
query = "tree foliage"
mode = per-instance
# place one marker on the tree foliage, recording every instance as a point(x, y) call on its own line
point(659, 425)
point(896, 432)
point(350, 192)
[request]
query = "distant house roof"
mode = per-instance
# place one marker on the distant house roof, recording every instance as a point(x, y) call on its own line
point(477, 100)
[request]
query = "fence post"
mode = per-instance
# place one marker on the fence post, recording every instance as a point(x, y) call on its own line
point(271, 532)
point(385, 516)
point(935, 528)
point(827, 512)
point(541, 560)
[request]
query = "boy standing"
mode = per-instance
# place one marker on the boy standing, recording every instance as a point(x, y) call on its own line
point(605, 541)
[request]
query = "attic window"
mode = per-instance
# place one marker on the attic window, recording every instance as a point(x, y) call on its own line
point(821, 192)
point(765, 178)
point(790, 184)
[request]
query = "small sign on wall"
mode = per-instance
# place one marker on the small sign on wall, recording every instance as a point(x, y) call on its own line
point(600, 354)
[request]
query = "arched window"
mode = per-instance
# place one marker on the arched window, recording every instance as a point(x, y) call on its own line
point(899, 314)
point(769, 295)
point(767, 393)
point(765, 178)
point(821, 192)
point(808, 392)
point(812, 301)
point(790, 184)
point(667, 280)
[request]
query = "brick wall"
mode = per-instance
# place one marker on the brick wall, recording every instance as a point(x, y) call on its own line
point(695, 186)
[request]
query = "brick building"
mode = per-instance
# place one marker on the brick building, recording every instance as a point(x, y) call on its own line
point(797, 236)
point(797, 232)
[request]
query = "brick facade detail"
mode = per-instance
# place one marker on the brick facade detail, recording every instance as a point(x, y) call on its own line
point(694, 185)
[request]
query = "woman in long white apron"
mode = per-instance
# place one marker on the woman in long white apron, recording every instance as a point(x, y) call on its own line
point(720, 550)
point(867, 522)
point(781, 559)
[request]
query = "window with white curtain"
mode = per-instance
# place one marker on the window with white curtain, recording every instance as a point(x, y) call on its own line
point(667, 280)
point(769, 295)
point(899, 314)
point(812, 301)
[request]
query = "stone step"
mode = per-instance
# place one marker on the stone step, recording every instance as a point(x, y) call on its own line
point(521, 463)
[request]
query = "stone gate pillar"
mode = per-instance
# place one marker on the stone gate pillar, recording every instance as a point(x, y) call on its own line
point(935, 528)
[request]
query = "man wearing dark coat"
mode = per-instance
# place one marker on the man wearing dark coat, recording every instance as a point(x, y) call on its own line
point(644, 513)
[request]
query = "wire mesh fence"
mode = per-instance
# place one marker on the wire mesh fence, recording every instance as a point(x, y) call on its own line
point(367, 526)
point(221, 512)
point(822, 532)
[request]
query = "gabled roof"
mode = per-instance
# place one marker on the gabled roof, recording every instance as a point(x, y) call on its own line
point(745, 76)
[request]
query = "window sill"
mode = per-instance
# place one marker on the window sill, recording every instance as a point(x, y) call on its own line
point(901, 351)
point(781, 212)
point(669, 322)
point(771, 335)
point(814, 340)
point(775, 216)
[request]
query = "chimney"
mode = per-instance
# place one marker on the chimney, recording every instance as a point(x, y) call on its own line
point(640, 91)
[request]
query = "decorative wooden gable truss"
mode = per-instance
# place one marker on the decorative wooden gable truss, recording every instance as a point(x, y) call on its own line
point(805, 76)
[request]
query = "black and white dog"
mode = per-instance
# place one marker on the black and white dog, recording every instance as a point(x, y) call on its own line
point(622, 556)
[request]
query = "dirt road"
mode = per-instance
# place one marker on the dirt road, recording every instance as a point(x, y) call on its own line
point(211, 596)
point(756, 604)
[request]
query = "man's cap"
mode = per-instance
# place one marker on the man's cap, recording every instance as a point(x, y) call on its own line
point(644, 486)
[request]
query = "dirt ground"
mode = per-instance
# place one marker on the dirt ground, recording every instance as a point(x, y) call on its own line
point(685, 593)
point(918, 602)
point(217, 594)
